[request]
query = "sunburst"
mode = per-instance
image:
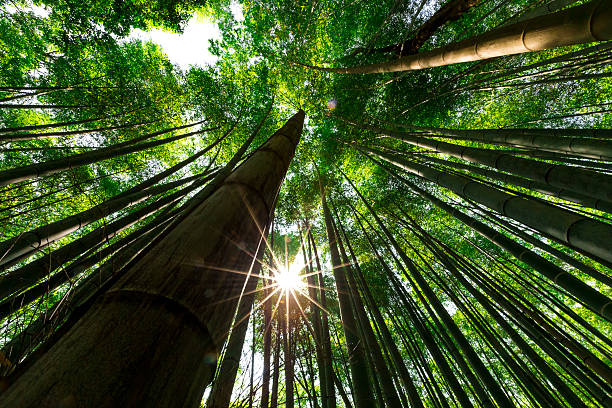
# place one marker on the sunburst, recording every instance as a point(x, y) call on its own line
point(289, 278)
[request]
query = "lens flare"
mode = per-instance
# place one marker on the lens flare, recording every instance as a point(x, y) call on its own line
point(289, 278)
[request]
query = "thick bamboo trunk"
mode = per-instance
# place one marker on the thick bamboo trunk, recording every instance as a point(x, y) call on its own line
point(276, 367)
point(41, 331)
point(583, 24)
point(362, 388)
point(221, 392)
point(542, 139)
point(577, 198)
point(153, 338)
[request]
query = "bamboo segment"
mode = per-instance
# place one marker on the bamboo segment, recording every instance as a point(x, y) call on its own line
point(54, 166)
point(582, 24)
point(221, 393)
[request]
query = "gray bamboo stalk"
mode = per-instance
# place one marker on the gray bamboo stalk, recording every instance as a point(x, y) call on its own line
point(581, 266)
point(590, 235)
point(544, 188)
point(596, 301)
point(174, 325)
point(587, 23)
point(221, 392)
point(54, 166)
point(582, 181)
point(362, 388)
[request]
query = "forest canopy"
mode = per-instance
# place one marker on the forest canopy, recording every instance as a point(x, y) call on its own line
point(399, 203)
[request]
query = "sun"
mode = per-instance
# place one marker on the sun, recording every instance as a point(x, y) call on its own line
point(289, 278)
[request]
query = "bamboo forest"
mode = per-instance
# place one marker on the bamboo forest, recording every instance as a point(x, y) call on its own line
point(305, 203)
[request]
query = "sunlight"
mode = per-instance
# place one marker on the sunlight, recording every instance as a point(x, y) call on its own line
point(289, 278)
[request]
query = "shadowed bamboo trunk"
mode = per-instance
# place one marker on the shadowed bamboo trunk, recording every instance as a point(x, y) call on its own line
point(587, 182)
point(39, 331)
point(552, 140)
point(577, 198)
point(380, 368)
point(221, 392)
point(583, 24)
point(362, 388)
point(328, 395)
point(153, 338)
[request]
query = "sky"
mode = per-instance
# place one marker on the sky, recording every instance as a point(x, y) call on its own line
point(184, 49)
point(191, 46)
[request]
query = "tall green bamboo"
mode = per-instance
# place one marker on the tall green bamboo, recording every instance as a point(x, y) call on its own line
point(362, 388)
point(175, 324)
point(592, 298)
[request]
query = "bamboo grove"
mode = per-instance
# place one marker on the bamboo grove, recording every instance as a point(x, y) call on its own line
point(402, 203)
